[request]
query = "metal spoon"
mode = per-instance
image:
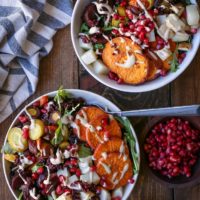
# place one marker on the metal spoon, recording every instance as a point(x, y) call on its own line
point(193, 110)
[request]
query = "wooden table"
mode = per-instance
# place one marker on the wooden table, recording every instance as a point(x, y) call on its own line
point(61, 67)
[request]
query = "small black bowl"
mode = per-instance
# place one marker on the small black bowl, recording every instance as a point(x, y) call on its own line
point(175, 182)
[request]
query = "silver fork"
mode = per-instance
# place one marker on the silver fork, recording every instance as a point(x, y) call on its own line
point(192, 110)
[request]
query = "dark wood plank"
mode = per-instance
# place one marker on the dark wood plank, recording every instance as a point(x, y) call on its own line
point(146, 188)
point(186, 90)
point(59, 68)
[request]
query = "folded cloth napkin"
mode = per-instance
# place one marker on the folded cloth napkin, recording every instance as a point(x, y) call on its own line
point(26, 31)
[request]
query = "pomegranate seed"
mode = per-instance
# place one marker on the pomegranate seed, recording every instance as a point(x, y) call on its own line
point(115, 32)
point(140, 28)
point(67, 163)
point(43, 111)
point(36, 104)
point(142, 36)
point(73, 162)
point(193, 30)
point(25, 133)
point(93, 168)
point(105, 121)
point(112, 75)
point(23, 119)
point(146, 41)
point(78, 172)
point(123, 4)
point(67, 191)
point(42, 185)
point(40, 170)
point(132, 27)
point(120, 81)
point(142, 17)
point(59, 190)
point(131, 181)
point(35, 176)
point(73, 170)
point(61, 178)
point(116, 198)
point(116, 16)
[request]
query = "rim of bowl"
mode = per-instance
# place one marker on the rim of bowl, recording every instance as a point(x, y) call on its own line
point(155, 175)
point(145, 87)
point(104, 101)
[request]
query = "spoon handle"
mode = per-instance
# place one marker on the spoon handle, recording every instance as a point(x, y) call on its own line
point(193, 110)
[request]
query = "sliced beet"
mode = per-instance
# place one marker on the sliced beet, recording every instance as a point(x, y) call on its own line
point(90, 15)
point(32, 146)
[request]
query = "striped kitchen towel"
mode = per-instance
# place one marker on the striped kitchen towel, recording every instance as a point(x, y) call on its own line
point(26, 31)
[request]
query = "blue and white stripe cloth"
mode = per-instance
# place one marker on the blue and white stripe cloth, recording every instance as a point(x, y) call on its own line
point(26, 31)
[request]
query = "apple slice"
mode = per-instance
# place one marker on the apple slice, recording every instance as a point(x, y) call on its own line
point(36, 129)
point(16, 140)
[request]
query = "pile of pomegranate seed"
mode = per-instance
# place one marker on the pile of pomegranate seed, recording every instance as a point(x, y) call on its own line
point(172, 147)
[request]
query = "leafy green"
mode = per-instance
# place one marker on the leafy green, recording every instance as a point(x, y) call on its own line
point(60, 97)
point(7, 149)
point(69, 112)
point(58, 138)
point(99, 46)
point(20, 196)
point(84, 28)
point(84, 151)
point(108, 28)
point(174, 63)
point(36, 167)
point(131, 142)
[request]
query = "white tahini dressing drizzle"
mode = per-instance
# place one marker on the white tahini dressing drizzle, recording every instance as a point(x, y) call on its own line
point(58, 159)
point(104, 9)
point(106, 167)
point(32, 126)
point(24, 161)
point(25, 182)
point(94, 30)
point(33, 194)
point(47, 181)
point(104, 155)
point(129, 62)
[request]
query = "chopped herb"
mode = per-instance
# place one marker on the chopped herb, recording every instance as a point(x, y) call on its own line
point(84, 28)
point(58, 138)
point(174, 63)
point(131, 142)
point(7, 149)
point(108, 28)
point(69, 112)
point(60, 97)
point(84, 151)
point(20, 196)
point(99, 46)
point(36, 167)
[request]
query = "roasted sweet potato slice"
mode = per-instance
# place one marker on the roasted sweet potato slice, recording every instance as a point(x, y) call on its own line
point(88, 114)
point(104, 128)
point(116, 145)
point(125, 58)
point(115, 169)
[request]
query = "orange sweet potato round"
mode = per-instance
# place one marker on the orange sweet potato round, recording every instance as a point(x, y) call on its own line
point(125, 58)
point(115, 169)
point(113, 145)
point(103, 132)
point(147, 3)
point(89, 113)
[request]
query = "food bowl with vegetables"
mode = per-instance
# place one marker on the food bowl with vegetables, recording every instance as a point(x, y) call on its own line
point(171, 150)
point(65, 146)
point(135, 45)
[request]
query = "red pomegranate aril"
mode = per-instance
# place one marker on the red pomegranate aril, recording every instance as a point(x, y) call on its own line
point(140, 28)
point(78, 172)
point(193, 30)
point(73, 162)
point(116, 16)
point(129, 14)
point(25, 133)
point(115, 32)
point(35, 176)
point(73, 170)
point(67, 191)
point(40, 170)
point(42, 185)
point(112, 75)
point(120, 81)
point(59, 190)
point(131, 181)
point(61, 178)
point(179, 145)
point(146, 41)
point(93, 168)
point(142, 36)
point(36, 104)
point(23, 119)
point(123, 4)
point(43, 111)
point(105, 121)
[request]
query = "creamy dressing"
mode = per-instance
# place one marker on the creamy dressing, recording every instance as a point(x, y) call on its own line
point(33, 194)
point(24, 161)
point(99, 128)
point(32, 125)
point(53, 194)
point(106, 167)
point(129, 62)
point(25, 182)
point(125, 169)
point(107, 38)
point(94, 30)
point(104, 155)
point(75, 126)
point(66, 154)
point(114, 180)
point(49, 104)
point(58, 159)
point(47, 181)
point(104, 9)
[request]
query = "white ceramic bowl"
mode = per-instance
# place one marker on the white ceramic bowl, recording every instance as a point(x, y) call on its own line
point(148, 86)
point(90, 98)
